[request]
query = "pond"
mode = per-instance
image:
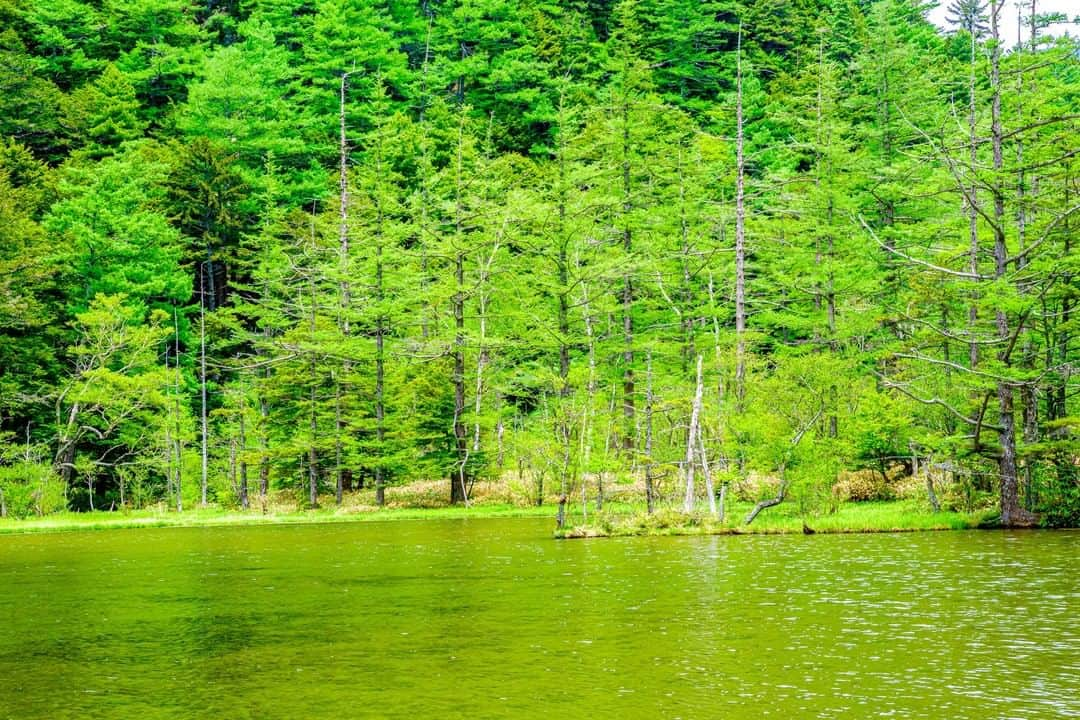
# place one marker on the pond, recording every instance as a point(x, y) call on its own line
point(492, 618)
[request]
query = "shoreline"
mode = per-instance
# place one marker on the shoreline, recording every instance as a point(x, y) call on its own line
point(619, 519)
point(211, 517)
point(693, 531)
point(849, 519)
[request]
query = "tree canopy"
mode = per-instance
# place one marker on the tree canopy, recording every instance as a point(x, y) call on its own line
point(353, 242)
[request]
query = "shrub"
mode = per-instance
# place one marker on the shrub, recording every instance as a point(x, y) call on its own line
point(31, 488)
point(864, 485)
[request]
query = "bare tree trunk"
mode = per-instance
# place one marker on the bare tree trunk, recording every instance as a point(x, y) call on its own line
point(425, 171)
point(709, 489)
point(232, 468)
point(339, 470)
point(1028, 395)
point(500, 431)
point(482, 350)
point(650, 493)
point(343, 205)
point(973, 212)
point(313, 460)
point(178, 481)
point(564, 474)
point(380, 409)
point(563, 261)
point(264, 448)
point(823, 159)
point(718, 355)
point(313, 464)
point(628, 290)
point(590, 398)
point(243, 463)
point(740, 239)
point(458, 484)
point(168, 460)
point(691, 441)
point(688, 319)
point(343, 287)
point(202, 392)
point(380, 338)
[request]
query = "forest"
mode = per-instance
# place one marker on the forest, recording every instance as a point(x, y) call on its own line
point(802, 249)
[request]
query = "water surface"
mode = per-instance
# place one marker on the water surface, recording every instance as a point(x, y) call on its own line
point(492, 618)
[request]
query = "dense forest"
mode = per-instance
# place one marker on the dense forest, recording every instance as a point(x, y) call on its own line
point(312, 246)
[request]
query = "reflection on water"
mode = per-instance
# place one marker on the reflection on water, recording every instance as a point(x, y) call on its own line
point(491, 618)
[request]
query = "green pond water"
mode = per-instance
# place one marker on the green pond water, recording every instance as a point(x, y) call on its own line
point(492, 618)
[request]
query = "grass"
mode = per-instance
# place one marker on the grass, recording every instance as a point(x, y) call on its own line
point(416, 501)
point(623, 515)
point(216, 516)
point(866, 517)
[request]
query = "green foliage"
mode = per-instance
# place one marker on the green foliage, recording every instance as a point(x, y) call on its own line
point(31, 488)
point(481, 238)
point(109, 234)
point(104, 113)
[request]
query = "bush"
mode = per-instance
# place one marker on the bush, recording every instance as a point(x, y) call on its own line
point(30, 488)
point(865, 485)
point(1058, 493)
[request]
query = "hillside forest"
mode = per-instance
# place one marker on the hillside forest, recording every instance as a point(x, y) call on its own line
point(319, 247)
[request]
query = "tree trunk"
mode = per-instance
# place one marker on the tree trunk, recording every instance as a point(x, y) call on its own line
point(313, 464)
point(264, 448)
point(202, 392)
point(973, 213)
point(1011, 512)
point(339, 470)
point(343, 288)
point(243, 465)
point(380, 411)
point(930, 494)
point(232, 469)
point(628, 290)
point(771, 502)
point(650, 493)
point(458, 483)
point(691, 441)
point(709, 489)
point(380, 344)
point(740, 239)
point(178, 482)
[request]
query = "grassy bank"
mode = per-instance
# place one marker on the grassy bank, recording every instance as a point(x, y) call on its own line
point(867, 517)
point(216, 516)
point(623, 514)
point(417, 501)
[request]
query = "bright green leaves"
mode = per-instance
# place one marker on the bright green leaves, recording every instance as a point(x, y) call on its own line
point(110, 236)
point(243, 101)
point(104, 113)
